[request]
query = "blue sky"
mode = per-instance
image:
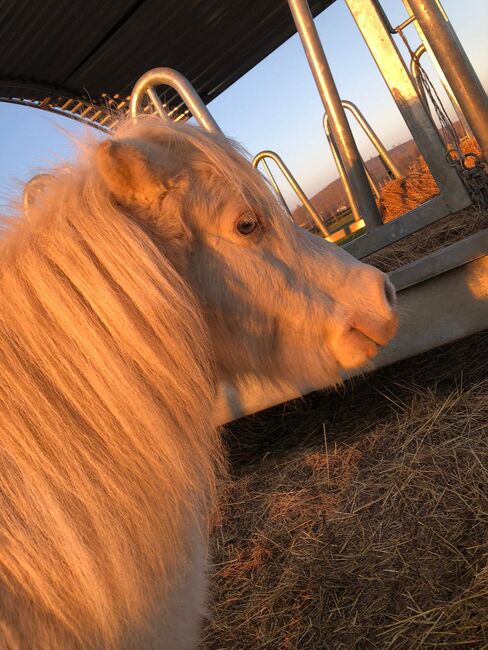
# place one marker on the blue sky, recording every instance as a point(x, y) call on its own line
point(275, 106)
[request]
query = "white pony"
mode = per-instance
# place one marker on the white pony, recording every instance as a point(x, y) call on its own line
point(151, 268)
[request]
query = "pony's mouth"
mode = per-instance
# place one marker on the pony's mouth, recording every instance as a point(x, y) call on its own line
point(361, 341)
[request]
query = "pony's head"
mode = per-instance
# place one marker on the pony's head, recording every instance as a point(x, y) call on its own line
point(279, 303)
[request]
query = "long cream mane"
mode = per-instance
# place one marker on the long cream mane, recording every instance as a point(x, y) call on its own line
point(107, 450)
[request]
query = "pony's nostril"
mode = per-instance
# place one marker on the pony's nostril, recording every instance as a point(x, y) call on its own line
point(390, 293)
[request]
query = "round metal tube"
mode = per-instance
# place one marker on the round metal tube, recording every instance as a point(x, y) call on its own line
point(340, 167)
point(439, 71)
point(332, 104)
point(342, 172)
point(372, 184)
point(374, 139)
point(295, 186)
point(414, 71)
point(456, 66)
point(169, 77)
point(156, 102)
point(275, 185)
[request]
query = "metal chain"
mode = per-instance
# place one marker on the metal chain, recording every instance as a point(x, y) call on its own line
point(470, 167)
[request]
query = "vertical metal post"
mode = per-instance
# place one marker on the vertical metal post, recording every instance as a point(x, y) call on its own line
point(332, 104)
point(438, 69)
point(342, 172)
point(368, 17)
point(456, 66)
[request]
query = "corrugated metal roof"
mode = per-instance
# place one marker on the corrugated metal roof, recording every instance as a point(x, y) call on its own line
point(91, 48)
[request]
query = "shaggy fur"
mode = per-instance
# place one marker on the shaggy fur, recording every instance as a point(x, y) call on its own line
point(125, 291)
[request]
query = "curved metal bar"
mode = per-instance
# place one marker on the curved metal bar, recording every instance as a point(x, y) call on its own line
point(385, 157)
point(156, 102)
point(295, 186)
point(374, 189)
point(342, 172)
point(415, 72)
point(169, 77)
point(373, 138)
point(275, 185)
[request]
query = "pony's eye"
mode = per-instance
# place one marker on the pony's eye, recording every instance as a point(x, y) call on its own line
point(247, 223)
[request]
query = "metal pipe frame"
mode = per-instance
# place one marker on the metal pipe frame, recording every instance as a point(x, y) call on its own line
point(169, 77)
point(385, 157)
point(341, 130)
point(438, 69)
point(295, 186)
point(374, 139)
point(351, 199)
point(457, 68)
point(415, 72)
point(369, 18)
point(275, 185)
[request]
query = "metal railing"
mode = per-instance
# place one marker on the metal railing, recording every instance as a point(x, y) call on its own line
point(146, 85)
point(331, 101)
point(377, 33)
point(261, 157)
point(169, 77)
point(390, 166)
point(415, 72)
point(453, 67)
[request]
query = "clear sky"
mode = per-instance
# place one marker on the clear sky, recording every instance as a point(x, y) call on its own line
point(275, 106)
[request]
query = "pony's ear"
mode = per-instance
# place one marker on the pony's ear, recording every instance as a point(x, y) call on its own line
point(129, 175)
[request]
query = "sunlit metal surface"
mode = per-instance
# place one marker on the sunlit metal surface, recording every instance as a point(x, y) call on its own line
point(296, 188)
point(275, 185)
point(457, 68)
point(387, 160)
point(415, 72)
point(172, 78)
point(350, 198)
point(341, 130)
point(87, 48)
point(368, 17)
point(414, 69)
point(385, 157)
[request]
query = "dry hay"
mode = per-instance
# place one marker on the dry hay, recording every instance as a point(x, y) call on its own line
point(439, 234)
point(418, 186)
point(359, 519)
